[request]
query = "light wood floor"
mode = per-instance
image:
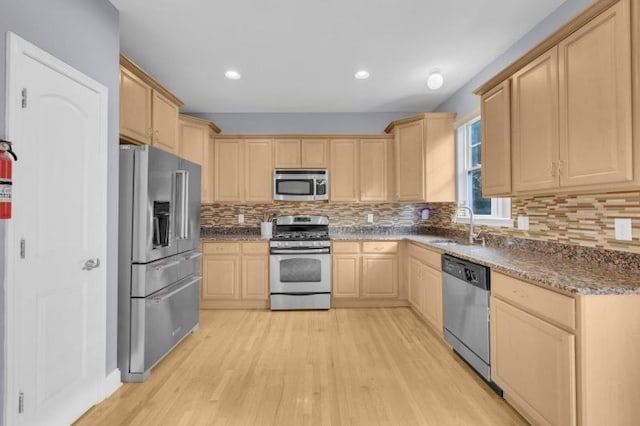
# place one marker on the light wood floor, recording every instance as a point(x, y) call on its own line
point(337, 367)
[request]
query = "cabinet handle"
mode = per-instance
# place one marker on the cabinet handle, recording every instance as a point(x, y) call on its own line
point(554, 169)
point(560, 167)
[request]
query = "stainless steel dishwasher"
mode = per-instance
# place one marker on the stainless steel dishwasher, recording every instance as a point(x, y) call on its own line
point(466, 313)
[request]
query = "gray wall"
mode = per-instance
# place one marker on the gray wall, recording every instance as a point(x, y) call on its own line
point(85, 35)
point(464, 101)
point(308, 123)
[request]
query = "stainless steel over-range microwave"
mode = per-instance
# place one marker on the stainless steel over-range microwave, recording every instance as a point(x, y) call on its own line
point(300, 185)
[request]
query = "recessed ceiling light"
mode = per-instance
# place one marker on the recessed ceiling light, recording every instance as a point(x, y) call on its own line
point(361, 75)
point(232, 75)
point(435, 80)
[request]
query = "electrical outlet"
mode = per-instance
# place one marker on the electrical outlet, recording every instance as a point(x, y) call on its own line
point(623, 230)
point(424, 214)
point(370, 217)
point(523, 223)
point(240, 218)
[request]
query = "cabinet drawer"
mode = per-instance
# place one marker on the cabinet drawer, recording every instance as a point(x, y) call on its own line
point(346, 247)
point(380, 247)
point(545, 303)
point(255, 248)
point(220, 248)
point(426, 256)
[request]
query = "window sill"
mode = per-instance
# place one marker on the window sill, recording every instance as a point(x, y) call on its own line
point(487, 221)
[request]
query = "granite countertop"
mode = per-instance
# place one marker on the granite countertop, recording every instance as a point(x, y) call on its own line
point(232, 237)
point(545, 270)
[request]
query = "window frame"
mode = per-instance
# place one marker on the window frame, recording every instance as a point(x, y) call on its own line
point(500, 207)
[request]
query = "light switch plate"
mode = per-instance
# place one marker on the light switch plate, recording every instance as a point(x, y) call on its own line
point(623, 229)
point(240, 218)
point(370, 217)
point(523, 223)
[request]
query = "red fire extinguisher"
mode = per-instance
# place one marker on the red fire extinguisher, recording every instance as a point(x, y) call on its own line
point(6, 166)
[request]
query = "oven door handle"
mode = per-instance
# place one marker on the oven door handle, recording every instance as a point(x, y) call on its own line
point(301, 251)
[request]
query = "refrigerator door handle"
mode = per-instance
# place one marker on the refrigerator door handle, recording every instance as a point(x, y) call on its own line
point(182, 187)
point(185, 206)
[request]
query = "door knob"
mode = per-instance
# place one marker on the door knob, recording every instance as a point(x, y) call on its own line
point(91, 264)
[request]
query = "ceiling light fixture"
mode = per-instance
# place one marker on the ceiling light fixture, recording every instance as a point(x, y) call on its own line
point(232, 75)
point(435, 80)
point(362, 75)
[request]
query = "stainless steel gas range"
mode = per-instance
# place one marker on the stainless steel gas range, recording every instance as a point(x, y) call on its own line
point(300, 263)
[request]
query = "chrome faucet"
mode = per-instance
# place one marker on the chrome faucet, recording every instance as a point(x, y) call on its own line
point(472, 235)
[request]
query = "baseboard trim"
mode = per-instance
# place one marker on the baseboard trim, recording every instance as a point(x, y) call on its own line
point(111, 384)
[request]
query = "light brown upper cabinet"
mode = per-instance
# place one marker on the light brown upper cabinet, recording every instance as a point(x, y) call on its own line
point(229, 164)
point(135, 108)
point(148, 112)
point(374, 169)
point(425, 157)
point(496, 140)
point(301, 153)
point(343, 171)
point(535, 124)
point(258, 171)
point(572, 105)
point(243, 170)
point(595, 101)
point(360, 170)
point(195, 143)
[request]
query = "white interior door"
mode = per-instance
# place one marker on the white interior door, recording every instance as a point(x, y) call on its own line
point(56, 327)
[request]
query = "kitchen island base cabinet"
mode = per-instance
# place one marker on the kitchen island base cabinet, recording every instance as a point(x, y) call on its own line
point(235, 275)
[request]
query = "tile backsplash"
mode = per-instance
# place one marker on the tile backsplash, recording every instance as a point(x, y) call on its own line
point(583, 220)
point(385, 214)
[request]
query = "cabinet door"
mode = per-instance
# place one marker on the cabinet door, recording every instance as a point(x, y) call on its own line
point(220, 277)
point(193, 145)
point(535, 124)
point(255, 277)
point(207, 170)
point(432, 282)
point(345, 280)
point(287, 153)
point(595, 101)
point(228, 170)
point(165, 123)
point(379, 276)
point(410, 162)
point(315, 153)
point(496, 141)
point(258, 171)
point(416, 287)
point(135, 108)
point(373, 170)
point(440, 159)
point(344, 170)
point(534, 363)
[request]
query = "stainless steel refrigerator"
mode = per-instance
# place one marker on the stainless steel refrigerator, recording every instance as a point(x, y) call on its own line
point(159, 258)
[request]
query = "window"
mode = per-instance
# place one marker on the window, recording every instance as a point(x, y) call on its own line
point(486, 211)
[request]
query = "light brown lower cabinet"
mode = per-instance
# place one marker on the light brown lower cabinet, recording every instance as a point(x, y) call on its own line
point(365, 274)
point(235, 275)
point(566, 359)
point(425, 285)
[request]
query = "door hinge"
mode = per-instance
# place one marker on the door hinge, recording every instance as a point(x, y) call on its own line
point(20, 402)
point(22, 248)
point(24, 98)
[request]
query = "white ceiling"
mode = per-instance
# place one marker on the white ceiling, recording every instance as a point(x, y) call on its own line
point(300, 55)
